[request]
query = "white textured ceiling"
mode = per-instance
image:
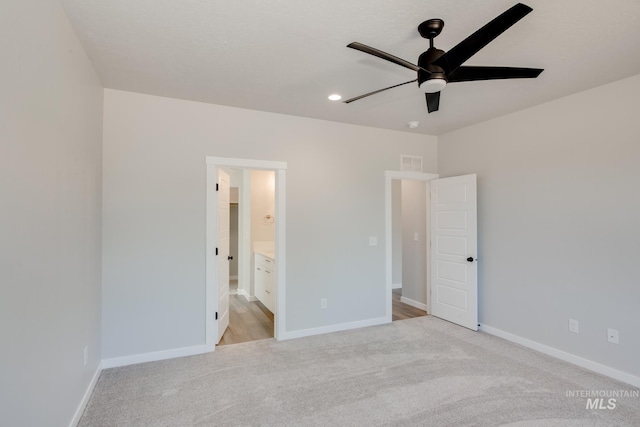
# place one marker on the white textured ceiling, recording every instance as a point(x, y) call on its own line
point(287, 56)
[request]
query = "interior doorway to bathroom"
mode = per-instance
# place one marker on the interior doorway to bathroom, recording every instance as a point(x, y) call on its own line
point(245, 250)
point(252, 225)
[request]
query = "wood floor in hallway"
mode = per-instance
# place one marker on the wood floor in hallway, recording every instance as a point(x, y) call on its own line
point(248, 321)
point(401, 311)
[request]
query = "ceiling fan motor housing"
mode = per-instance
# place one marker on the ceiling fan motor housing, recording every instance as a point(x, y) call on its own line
point(426, 61)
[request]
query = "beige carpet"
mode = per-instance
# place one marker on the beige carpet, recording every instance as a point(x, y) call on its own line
point(421, 371)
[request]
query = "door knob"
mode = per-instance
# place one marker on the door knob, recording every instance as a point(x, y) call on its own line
point(470, 259)
point(229, 257)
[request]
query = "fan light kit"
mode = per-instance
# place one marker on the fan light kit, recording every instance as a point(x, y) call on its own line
point(436, 67)
point(335, 97)
point(433, 85)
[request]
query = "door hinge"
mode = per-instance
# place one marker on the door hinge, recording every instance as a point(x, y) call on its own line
point(217, 187)
point(216, 315)
point(216, 251)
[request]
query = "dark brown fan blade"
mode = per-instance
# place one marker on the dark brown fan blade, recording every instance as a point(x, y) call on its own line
point(455, 57)
point(467, 74)
point(377, 91)
point(433, 101)
point(384, 55)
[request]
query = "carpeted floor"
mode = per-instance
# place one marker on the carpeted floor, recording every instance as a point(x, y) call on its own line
point(415, 372)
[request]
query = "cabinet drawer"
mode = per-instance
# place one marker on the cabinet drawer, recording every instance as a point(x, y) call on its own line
point(269, 263)
point(264, 261)
point(259, 280)
point(269, 289)
point(265, 280)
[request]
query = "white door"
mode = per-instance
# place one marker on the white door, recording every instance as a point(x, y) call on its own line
point(454, 267)
point(223, 253)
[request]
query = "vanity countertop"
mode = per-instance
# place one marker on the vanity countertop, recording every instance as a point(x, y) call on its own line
point(268, 254)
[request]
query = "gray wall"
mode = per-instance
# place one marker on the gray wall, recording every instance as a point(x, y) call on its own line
point(414, 253)
point(50, 171)
point(559, 220)
point(154, 214)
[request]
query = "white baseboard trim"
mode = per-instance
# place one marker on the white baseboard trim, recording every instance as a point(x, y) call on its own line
point(414, 303)
point(85, 398)
point(246, 295)
point(396, 286)
point(288, 335)
point(156, 355)
point(562, 355)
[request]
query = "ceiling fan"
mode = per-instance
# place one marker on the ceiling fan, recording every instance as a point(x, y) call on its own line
point(436, 67)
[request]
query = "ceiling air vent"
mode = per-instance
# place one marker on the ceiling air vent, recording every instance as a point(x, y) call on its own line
point(410, 163)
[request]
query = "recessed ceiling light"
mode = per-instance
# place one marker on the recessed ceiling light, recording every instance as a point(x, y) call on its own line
point(335, 97)
point(413, 125)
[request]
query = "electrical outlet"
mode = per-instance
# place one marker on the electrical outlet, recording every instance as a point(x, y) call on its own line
point(415, 237)
point(86, 354)
point(612, 336)
point(323, 303)
point(574, 326)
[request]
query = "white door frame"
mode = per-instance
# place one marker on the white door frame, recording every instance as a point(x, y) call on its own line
point(388, 177)
point(211, 280)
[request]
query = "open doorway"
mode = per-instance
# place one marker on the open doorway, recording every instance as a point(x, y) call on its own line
point(245, 230)
point(451, 252)
point(408, 249)
point(252, 225)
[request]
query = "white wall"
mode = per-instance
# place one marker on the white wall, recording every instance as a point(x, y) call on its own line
point(154, 207)
point(263, 203)
point(559, 220)
point(50, 171)
point(233, 240)
point(414, 253)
